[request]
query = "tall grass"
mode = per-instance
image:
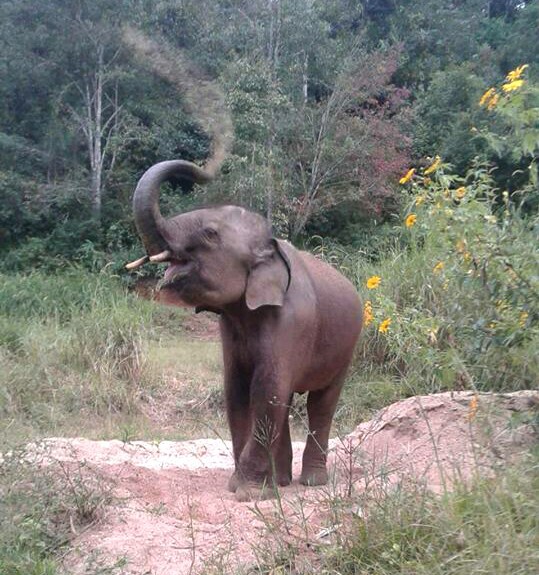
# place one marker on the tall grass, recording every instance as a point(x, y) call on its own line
point(71, 344)
point(490, 526)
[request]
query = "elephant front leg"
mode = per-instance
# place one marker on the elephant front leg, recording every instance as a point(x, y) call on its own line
point(238, 414)
point(266, 459)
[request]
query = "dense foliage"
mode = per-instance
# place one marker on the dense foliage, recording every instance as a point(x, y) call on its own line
point(326, 114)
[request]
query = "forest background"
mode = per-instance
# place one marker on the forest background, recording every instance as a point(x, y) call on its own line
point(331, 103)
point(396, 139)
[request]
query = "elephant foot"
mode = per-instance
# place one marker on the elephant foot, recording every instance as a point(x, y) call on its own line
point(255, 492)
point(313, 477)
point(284, 479)
point(234, 482)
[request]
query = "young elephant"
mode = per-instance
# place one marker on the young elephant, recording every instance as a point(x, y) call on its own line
point(289, 323)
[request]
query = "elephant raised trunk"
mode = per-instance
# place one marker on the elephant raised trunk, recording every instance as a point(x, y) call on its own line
point(146, 199)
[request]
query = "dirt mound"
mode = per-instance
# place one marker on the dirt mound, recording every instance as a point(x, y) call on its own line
point(172, 514)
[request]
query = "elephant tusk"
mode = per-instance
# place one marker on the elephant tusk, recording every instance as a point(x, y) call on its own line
point(162, 257)
point(137, 263)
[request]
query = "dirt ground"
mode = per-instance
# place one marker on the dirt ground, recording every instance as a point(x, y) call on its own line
point(172, 515)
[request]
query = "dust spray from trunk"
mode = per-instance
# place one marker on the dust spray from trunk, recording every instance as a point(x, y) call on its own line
point(203, 96)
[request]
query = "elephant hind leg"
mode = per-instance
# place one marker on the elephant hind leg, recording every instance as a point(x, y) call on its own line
point(321, 407)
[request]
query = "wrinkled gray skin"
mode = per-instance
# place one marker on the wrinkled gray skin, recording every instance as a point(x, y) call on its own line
point(289, 324)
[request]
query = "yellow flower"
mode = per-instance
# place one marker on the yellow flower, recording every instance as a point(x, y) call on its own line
point(419, 200)
point(367, 313)
point(373, 282)
point(434, 166)
point(472, 409)
point(512, 86)
point(407, 177)
point(516, 73)
point(438, 267)
point(493, 101)
point(467, 256)
point(522, 319)
point(490, 93)
point(384, 326)
point(410, 220)
point(460, 192)
point(460, 245)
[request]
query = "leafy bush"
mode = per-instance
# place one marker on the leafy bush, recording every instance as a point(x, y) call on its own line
point(458, 308)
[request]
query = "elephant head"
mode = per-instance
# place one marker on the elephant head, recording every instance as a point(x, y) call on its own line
point(216, 256)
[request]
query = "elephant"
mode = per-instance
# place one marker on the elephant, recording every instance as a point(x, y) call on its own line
point(289, 324)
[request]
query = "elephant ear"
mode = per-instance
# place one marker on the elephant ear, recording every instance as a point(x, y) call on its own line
point(269, 278)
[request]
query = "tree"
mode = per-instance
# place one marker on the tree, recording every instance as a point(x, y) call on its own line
point(349, 147)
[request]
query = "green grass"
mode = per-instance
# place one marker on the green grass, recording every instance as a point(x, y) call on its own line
point(490, 526)
point(41, 507)
point(74, 353)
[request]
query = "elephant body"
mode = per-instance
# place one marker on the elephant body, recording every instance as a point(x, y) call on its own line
point(289, 324)
point(305, 345)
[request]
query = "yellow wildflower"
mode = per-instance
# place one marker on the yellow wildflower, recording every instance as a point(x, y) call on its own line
point(485, 98)
point(367, 313)
point(438, 267)
point(373, 282)
point(407, 177)
point(410, 220)
point(516, 73)
point(384, 326)
point(512, 86)
point(460, 245)
point(493, 101)
point(467, 256)
point(434, 166)
point(419, 200)
point(460, 192)
point(472, 409)
point(522, 319)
